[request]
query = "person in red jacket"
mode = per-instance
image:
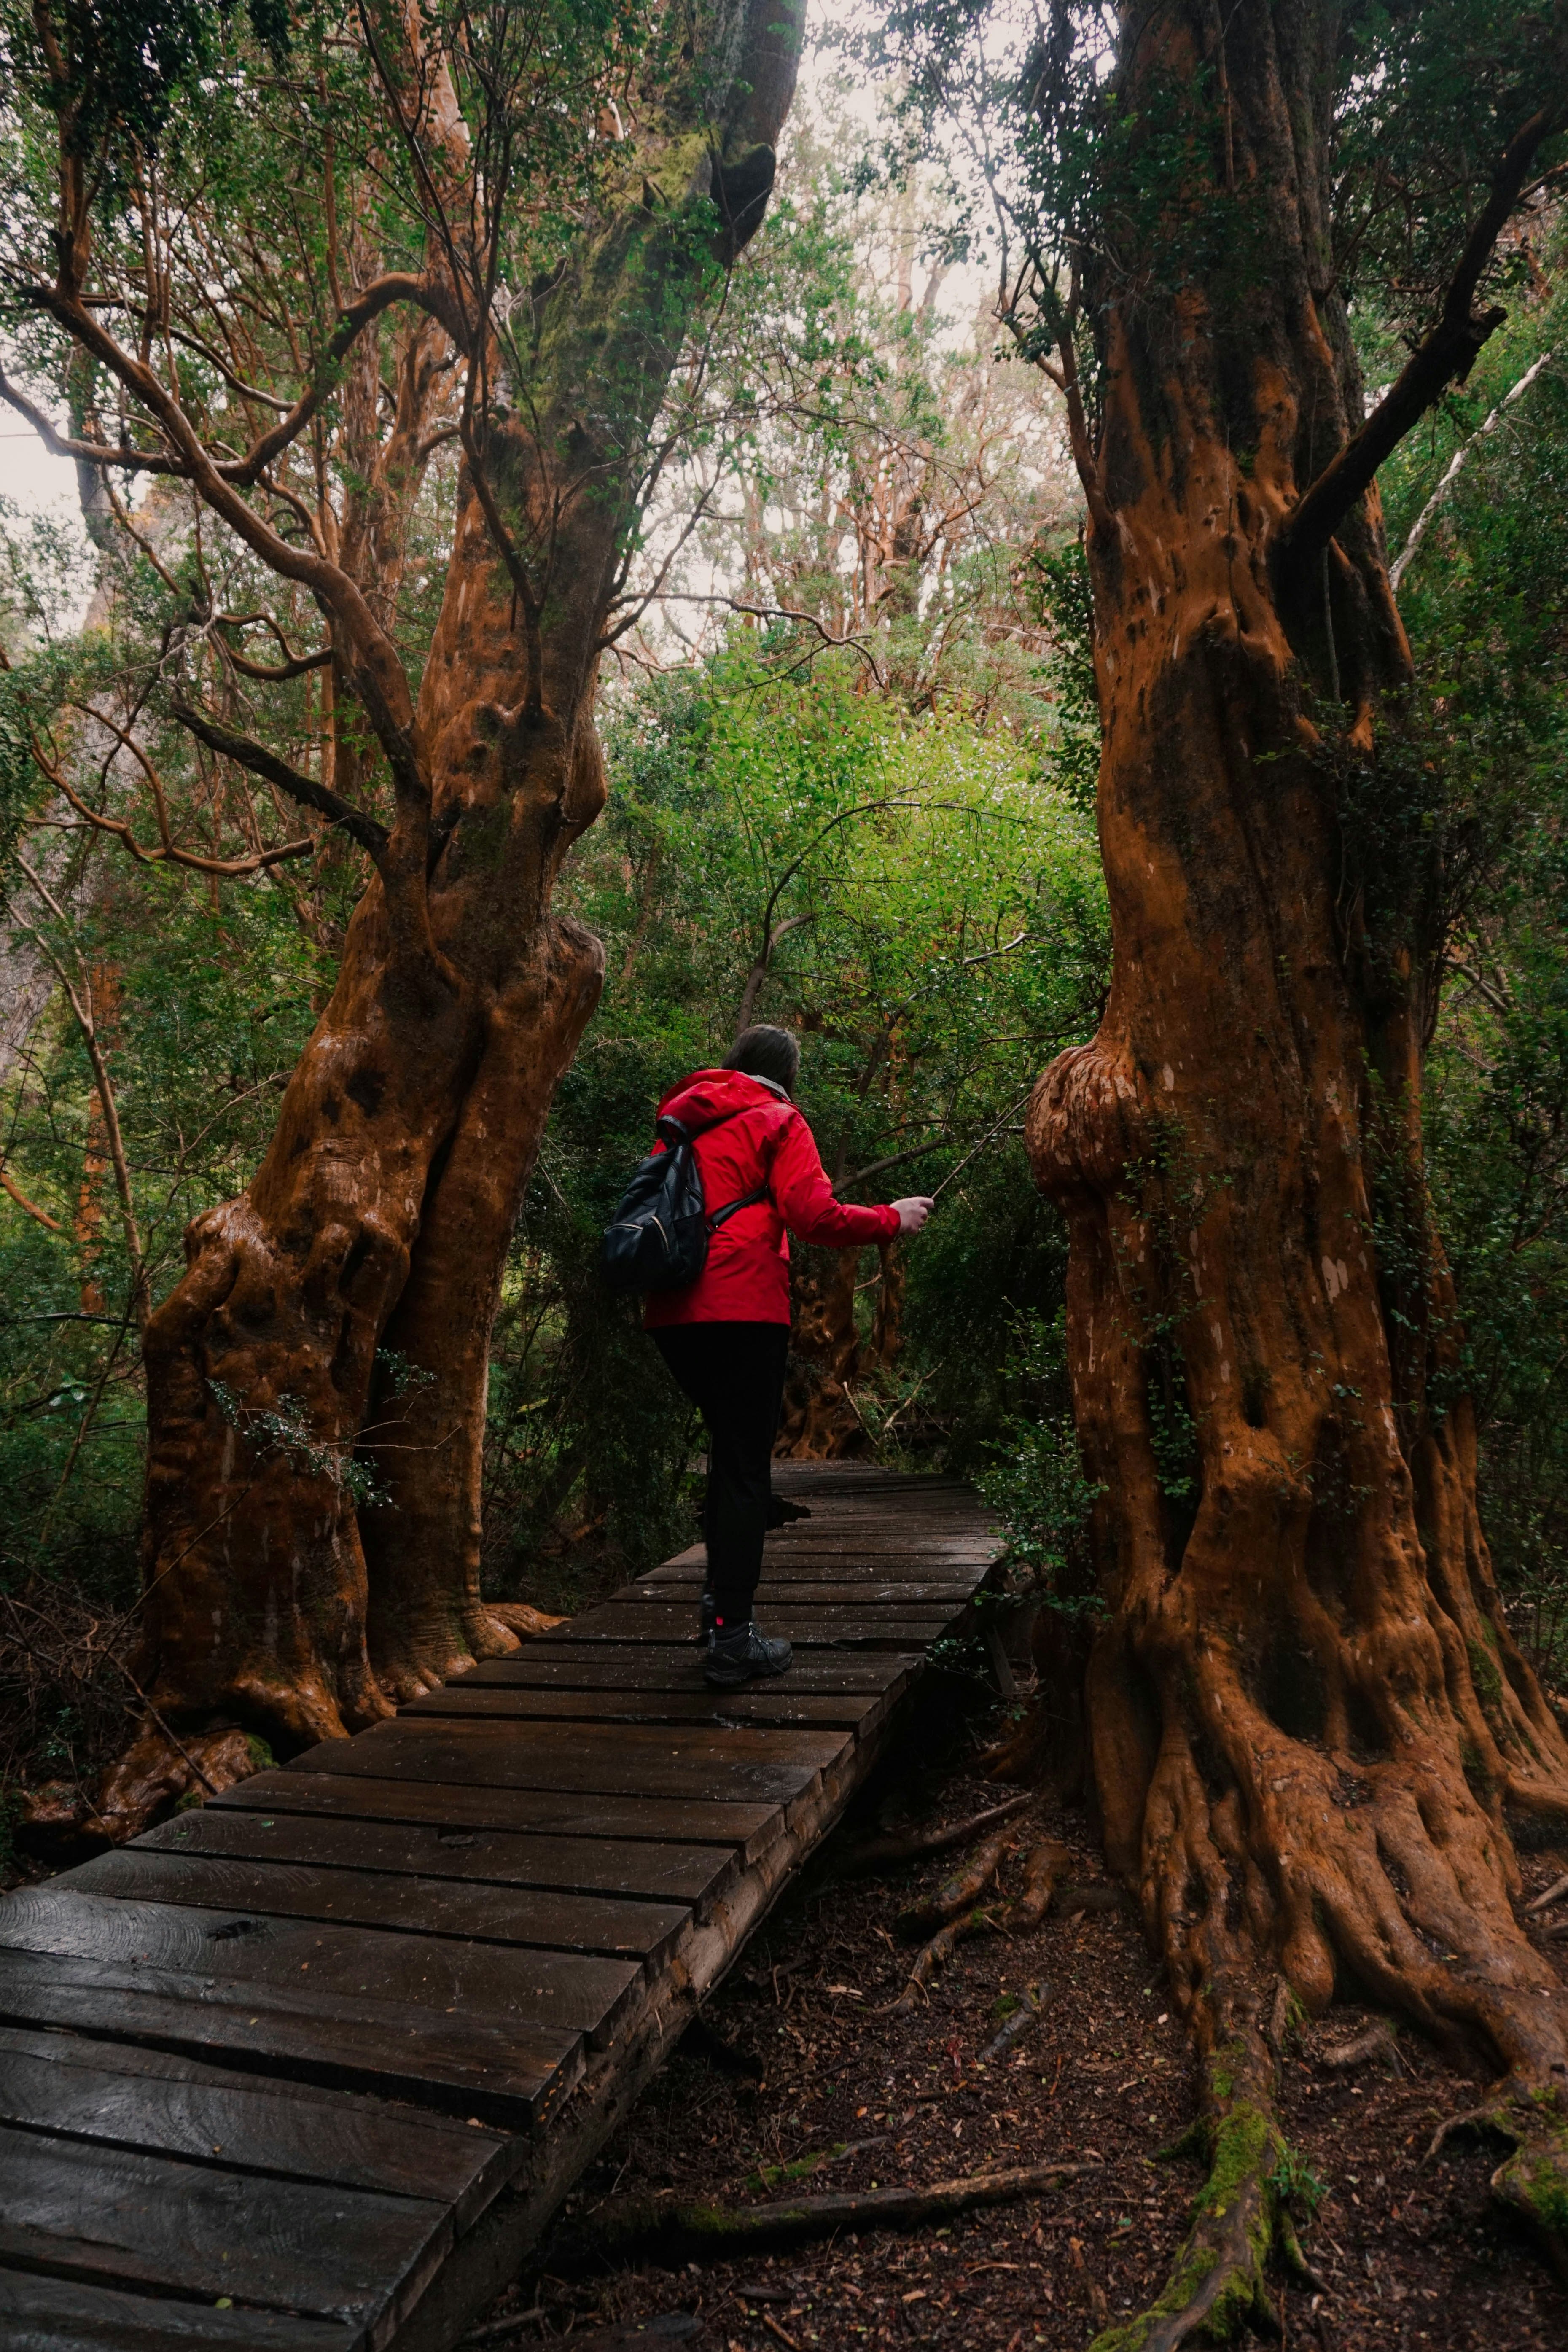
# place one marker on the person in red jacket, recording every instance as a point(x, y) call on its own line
point(726, 1336)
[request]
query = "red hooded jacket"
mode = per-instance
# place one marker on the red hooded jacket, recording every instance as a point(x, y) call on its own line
point(746, 1278)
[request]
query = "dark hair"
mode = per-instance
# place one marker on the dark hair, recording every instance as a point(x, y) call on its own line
point(765, 1052)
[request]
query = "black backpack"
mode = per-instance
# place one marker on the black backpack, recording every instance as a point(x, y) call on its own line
point(659, 1238)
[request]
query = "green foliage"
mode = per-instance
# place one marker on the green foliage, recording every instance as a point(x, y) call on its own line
point(1294, 2182)
point(1036, 1485)
point(1483, 603)
point(927, 912)
point(1059, 575)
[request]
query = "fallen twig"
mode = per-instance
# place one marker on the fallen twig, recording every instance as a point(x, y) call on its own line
point(670, 2223)
point(1027, 2016)
point(882, 1854)
point(507, 2327)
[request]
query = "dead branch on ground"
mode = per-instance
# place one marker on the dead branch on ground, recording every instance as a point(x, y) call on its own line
point(668, 2223)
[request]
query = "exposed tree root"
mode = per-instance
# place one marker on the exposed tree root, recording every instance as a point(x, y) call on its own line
point(1042, 1870)
point(1554, 1894)
point(1376, 2041)
point(157, 1773)
point(1240, 2218)
point(520, 1618)
point(961, 1892)
point(1531, 2182)
point(935, 1956)
point(888, 1853)
point(670, 2224)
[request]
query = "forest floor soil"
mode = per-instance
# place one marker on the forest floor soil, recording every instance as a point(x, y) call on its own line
point(1411, 2253)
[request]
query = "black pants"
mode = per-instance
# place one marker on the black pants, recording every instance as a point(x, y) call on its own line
point(733, 1373)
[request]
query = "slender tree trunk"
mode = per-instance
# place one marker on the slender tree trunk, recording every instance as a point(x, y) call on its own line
point(819, 1424)
point(1309, 1727)
point(379, 1220)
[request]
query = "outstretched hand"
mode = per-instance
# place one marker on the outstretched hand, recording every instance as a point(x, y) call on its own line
point(913, 1212)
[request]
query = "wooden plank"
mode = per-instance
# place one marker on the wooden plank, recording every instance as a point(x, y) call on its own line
point(52, 2315)
point(652, 1620)
point(544, 1917)
point(160, 2105)
point(702, 1749)
point(639, 1759)
point(431, 1972)
point(950, 1579)
point(665, 1667)
point(464, 1802)
point(502, 2070)
point(776, 1705)
point(964, 1557)
point(774, 1595)
point(693, 1875)
point(103, 2214)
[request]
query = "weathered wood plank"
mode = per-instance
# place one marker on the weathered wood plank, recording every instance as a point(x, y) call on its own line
point(654, 1621)
point(506, 2071)
point(462, 1801)
point(53, 2314)
point(780, 1765)
point(430, 1972)
point(667, 1666)
point(440, 1909)
point(103, 2214)
point(545, 1916)
point(159, 2105)
point(960, 1556)
point(775, 1706)
point(793, 1569)
point(688, 1874)
point(830, 1590)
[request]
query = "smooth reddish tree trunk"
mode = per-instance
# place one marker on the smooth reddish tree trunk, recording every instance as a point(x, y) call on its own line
point(1310, 1730)
point(281, 1596)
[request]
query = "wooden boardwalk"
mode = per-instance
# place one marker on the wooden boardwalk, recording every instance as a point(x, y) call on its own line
point(312, 2067)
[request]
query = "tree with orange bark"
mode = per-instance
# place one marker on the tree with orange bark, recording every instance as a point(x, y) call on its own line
point(1311, 1738)
point(392, 298)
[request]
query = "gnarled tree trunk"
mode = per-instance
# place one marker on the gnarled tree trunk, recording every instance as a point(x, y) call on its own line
point(1310, 1729)
point(317, 1380)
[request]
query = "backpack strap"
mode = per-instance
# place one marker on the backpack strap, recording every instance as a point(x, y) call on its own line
point(746, 1200)
point(679, 1133)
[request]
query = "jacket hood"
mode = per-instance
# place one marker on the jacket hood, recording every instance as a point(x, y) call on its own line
point(710, 1095)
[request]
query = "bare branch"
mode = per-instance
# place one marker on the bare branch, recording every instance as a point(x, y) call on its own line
point(247, 753)
point(785, 613)
point(32, 1207)
point(1455, 466)
point(1447, 354)
point(82, 1006)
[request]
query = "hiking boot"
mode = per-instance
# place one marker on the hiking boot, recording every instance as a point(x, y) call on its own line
point(783, 1513)
point(741, 1652)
